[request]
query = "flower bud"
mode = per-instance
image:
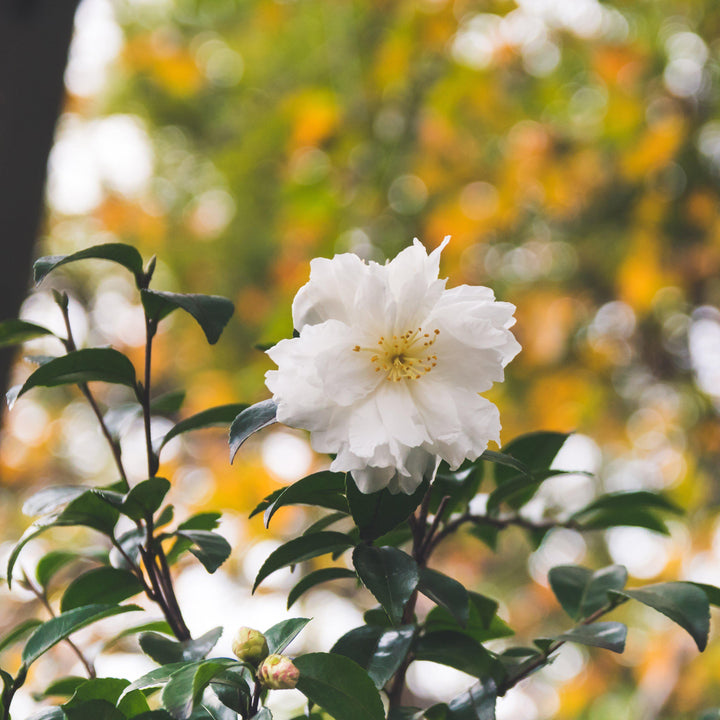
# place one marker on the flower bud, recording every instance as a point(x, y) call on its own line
point(278, 673)
point(250, 645)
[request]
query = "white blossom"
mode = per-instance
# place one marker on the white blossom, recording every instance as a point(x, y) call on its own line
point(388, 365)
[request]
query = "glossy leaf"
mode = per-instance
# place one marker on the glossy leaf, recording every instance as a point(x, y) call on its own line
point(389, 574)
point(535, 451)
point(120, 253)
point(324, 489)
point(145, 498)
point(312, 579)
point(447, 592)
point(220, 416)
point(165, 650)
point(82, 366)
point(339, 686)
point(379, 650)
point(569, 582)
point(302, 548)
point(64, 687)
point(377, 513)
point(211, 549)
point(211, 312)
point(100, 585)
point(682, 602)
point(95, 709)
point(52, 498)
point(608, 635)
point(58, 628)
point(109, 689)
point(15, 332)
point(157, 676)
point(483, 623)
point(186, 686)
point(133, 704)
point(249, 421)
point(280, 635)
point(454, 649)
point(201, 521)
point(51, 563)
point(477, 703)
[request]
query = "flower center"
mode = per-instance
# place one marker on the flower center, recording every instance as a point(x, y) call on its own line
point(403, 357)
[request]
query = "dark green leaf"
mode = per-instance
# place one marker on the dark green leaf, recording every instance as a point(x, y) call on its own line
point(95, 709)
point(380, 651)
point(315, 578)
point(125, 255)
point(389, 574)
point(15, 332)
point(18, 633)
point(324, 522)
point(535, 451)
point(455, 649)
point(322, 488)
point(626, 500)
point(339, 686)
point(51, 563)
point(108, 689)
point(157, 677)
point(201, 521)
point(100, 585)
point(630, 516)
point(130, 542)
point(568, 582)
point(684, 603)
point(515, 492)
point(483, 623)
point(145, 498)
point(249, 421)
point(54, 713)
point(210, 311)
point(302, 548)
point(459, 485)
point(377, 513)
point(477, 703)
point(64, 687)
point(602, 581)
point(185, 687)
point(279, 636)
point(60, 627)
point(211, 549)
point(220, 416)
point(445, 591)
point(233, 687)
point(506, 461)
point(167, 403)
point(711, 592)
point(165, 650)
point(608, 635)
point(81, 366)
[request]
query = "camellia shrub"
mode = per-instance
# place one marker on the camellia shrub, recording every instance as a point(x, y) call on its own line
point(386, 372)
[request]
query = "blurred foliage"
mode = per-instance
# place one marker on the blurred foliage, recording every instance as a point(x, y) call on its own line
point(571, 148)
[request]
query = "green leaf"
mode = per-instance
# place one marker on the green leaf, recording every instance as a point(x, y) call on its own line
point(630, 517)
point(144, 499)
point(18, 633)
point(168, 403)
point(219, 416)
point(624, 501)
point(100, 585)
point(505, 461)
point(58, 628)
point(210, 311)
point(535, 451)
point(711, 592)
point(377, 513)
point(165, 650)
point(569, 582)
point(108, 689)
point(389, 574)
point(185, 687)
point(157, 676)
point(483, 623)
point(280, 635)
point(445, 591)
point(82, 366)
point(339, 686)
point(315, 578)
point(595, 596)
point(608, 635)
point(95, 709)
point(325, 522)
point(233, 689)
point(15, 332)
point(52, 498)
point(682, 602)
point(125, 255)
point(459, 485)
point(64, 687)
point(454, 649)
point(211, 549)
point(249, 421)
point(201, 521)
point(133, 703)
point(302, 548)
point(85, 509)
point(477, 703)
point(54, 713)
point(378, 650)
point(322, 488)
point(51, 563)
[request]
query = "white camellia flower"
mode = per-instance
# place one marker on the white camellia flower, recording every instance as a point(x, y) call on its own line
point(388, 366)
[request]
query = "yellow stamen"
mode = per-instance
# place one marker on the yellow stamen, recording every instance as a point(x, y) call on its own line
point(404, 357)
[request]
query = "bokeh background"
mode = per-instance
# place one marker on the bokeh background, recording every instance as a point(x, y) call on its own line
point(571, 148)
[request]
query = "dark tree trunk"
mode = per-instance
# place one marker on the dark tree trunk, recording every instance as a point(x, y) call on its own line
point(34, 40)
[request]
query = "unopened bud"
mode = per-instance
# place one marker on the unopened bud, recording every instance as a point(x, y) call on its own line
point(250, 645)
point(278, 673)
